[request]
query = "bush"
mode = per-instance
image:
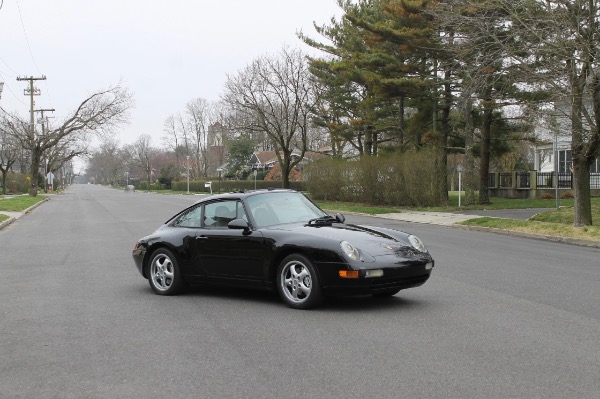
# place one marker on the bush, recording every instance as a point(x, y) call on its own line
point(567, 195)
point(16, 183)
point(143, 185)
point(232, 185)
point(546, 196)
point(409, 179)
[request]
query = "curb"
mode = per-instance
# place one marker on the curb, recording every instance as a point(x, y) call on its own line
point(26, 211)
point(543, 237)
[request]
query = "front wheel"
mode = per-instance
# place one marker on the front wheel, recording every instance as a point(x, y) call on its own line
point(164, 274)
point(298, 283)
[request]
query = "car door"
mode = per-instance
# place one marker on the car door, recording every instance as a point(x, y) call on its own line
point(229, 253)
point(182, 233)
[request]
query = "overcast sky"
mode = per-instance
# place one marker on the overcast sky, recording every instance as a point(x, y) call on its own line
point(167, 53)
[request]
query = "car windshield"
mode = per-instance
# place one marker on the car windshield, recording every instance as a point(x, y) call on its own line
point(270, 209)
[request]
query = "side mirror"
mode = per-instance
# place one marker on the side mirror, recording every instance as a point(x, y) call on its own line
point(340, 218)
point(239, 224)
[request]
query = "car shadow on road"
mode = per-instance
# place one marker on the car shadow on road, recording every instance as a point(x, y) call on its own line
point(348, 304)
point(337, 303)
point(371, 304)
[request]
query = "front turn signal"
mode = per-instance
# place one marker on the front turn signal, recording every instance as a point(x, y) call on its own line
point(348, 273)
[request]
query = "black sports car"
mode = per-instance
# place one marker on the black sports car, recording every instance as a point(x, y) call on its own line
point(279, 239)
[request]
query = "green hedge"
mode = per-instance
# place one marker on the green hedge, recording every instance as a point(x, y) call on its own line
point(233, 185)
point(409, 179)
point(16, 183)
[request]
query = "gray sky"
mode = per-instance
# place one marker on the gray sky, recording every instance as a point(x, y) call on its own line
point(167, 53)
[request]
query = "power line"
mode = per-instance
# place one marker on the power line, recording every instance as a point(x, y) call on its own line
point(30, 52)
point(8, 66)
point(6, 85)
point(26, 37)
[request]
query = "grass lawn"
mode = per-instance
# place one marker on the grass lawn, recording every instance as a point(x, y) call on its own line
point(556, 222)
point(20, 203)
point(496, 203)
point(3, 218)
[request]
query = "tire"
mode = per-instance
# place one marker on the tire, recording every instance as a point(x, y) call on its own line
point(164, 274)
point(298, 283)
point(387, 293)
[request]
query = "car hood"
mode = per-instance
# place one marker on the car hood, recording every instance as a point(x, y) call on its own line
point(375, 241)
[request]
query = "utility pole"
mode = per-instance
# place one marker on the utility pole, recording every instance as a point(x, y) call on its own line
point(35, 156)
point(31, 91)
point(43, 143)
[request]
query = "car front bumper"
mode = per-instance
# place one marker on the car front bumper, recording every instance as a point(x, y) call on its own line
point(138, 258)
point(400, 277)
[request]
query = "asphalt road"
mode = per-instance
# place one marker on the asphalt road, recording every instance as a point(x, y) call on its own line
point(501, 317)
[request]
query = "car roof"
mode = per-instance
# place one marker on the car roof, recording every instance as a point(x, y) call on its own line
point(245, 194)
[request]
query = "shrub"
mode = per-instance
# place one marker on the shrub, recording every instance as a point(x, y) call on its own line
point(546, 196)
point(567, 195)
point(232, 185)
point(16, 183)
point(409, 179)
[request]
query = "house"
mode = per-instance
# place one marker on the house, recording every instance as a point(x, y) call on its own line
point(266, 160)
point(553, 152)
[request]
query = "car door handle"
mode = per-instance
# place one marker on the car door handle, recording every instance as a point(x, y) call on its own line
point(201, 238)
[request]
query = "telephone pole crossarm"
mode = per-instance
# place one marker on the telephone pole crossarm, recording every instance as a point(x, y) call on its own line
point(31, 92)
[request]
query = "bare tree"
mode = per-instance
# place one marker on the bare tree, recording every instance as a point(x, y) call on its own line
point(276, 94)
point(142, 153)
point(97, 115)
point(9, 151)
point(200, 115)
point(171, 139)
point(108, 161)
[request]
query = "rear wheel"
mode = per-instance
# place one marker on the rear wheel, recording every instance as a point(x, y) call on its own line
point(164, 274)
point(298, 283)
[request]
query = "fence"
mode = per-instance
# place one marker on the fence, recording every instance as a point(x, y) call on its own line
point(533, 184)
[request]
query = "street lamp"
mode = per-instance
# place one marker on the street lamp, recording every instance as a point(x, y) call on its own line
point(556, 167)
point(188, 174)
point(219, 170)
point(255, 172)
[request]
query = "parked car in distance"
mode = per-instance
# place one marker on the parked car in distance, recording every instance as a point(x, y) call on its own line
point(279, 240)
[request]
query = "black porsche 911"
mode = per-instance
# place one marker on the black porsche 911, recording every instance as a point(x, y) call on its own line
point(279, 239)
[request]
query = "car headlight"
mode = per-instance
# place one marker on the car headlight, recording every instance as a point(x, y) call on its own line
point(417, 243)
point(350, 250)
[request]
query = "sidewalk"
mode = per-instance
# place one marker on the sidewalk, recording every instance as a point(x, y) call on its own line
point(12, 216)
point(439, 218)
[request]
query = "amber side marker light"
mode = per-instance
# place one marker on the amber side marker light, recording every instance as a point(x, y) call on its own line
point(349, 273)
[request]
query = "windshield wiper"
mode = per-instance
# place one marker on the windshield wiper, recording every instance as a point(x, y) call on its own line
point(322, 220)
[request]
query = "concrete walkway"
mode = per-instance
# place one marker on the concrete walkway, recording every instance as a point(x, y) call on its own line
point(450, 218)
point(439, 218)
point(12, 216)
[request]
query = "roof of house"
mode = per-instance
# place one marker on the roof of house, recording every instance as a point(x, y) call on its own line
point(267, 157)
point(264, 156)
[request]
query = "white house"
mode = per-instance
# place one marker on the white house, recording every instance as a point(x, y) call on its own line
point(554, 152)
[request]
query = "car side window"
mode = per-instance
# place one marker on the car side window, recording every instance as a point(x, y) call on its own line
point(219, 214)
point(191, 218)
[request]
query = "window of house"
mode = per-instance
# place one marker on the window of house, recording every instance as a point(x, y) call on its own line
point(595, 166)
point(564, 161)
